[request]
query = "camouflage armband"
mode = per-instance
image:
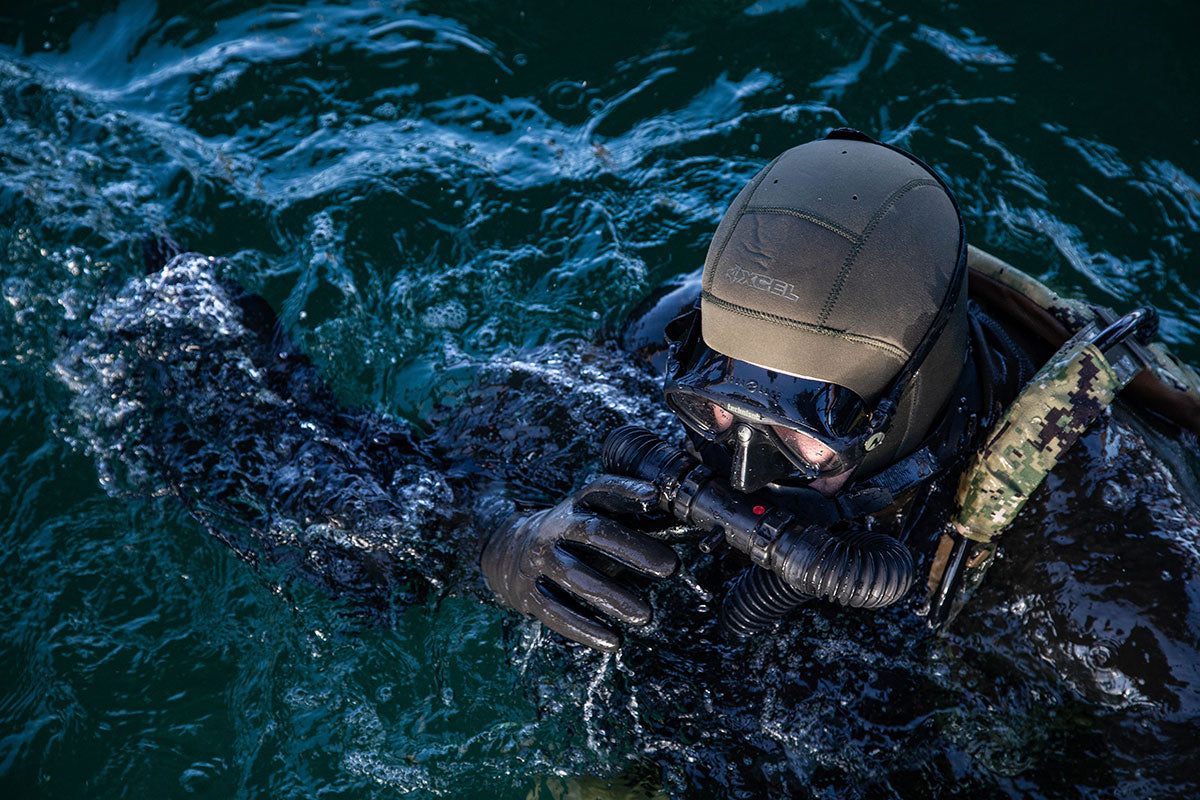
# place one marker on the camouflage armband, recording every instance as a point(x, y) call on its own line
point(1065, 397)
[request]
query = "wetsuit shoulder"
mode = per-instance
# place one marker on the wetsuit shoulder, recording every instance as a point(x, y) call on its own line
point(643, 331)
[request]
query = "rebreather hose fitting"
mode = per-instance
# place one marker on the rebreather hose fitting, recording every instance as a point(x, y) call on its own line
point(793, 562)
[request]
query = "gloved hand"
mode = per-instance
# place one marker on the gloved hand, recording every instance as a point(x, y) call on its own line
point(526, 554)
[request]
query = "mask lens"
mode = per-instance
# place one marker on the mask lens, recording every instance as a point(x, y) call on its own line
point(702, 414)
point(811, 451)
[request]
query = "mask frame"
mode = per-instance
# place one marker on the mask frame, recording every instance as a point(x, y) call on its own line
point(760, 401)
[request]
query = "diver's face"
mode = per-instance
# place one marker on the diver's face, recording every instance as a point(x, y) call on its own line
point(813, 451)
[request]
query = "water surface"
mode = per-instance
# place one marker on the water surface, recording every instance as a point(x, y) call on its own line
point(422, 188)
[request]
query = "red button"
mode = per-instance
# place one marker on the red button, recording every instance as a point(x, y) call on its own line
point(759, 510)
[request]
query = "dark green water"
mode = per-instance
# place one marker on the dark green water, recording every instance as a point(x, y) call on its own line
point(419, 187)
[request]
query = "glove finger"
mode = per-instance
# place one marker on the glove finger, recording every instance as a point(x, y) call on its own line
point(618, 494)
point(591, 587)
point(632, 549)
point(559, 617)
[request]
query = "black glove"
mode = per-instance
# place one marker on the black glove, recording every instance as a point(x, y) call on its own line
point(526, 554)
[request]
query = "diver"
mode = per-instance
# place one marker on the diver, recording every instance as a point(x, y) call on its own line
point(841, 366)
point(838, 374)
point(846, 371)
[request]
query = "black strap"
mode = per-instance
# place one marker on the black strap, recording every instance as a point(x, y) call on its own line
point(942, 447)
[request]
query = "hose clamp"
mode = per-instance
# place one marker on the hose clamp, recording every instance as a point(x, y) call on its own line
point(687, 489)
point(668, 480)
point(765, 534)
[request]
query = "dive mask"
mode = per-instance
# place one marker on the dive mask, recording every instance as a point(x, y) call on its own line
point(778, 427)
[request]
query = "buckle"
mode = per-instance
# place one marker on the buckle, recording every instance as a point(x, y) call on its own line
point(1123, 342)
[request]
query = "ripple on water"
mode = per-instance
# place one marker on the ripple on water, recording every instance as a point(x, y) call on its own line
point(437, 191)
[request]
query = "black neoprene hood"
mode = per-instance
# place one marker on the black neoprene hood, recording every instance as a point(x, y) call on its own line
point(834, 263)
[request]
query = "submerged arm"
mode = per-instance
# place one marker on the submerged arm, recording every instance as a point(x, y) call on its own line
point(184, 384)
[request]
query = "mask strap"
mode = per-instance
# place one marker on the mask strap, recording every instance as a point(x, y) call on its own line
point(683, 334)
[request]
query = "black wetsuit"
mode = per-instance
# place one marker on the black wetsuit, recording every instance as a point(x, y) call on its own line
point(184, 383)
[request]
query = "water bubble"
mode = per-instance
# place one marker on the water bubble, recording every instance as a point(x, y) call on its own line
point(450, 315)
point(566, 94)
point(1115, 496)
point(486, 337)
point(1099, 656)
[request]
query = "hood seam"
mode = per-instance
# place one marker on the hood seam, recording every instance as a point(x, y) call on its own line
point(848, 264)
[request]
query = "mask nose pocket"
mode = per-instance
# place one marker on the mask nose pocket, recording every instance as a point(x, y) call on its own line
point(755, 460)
